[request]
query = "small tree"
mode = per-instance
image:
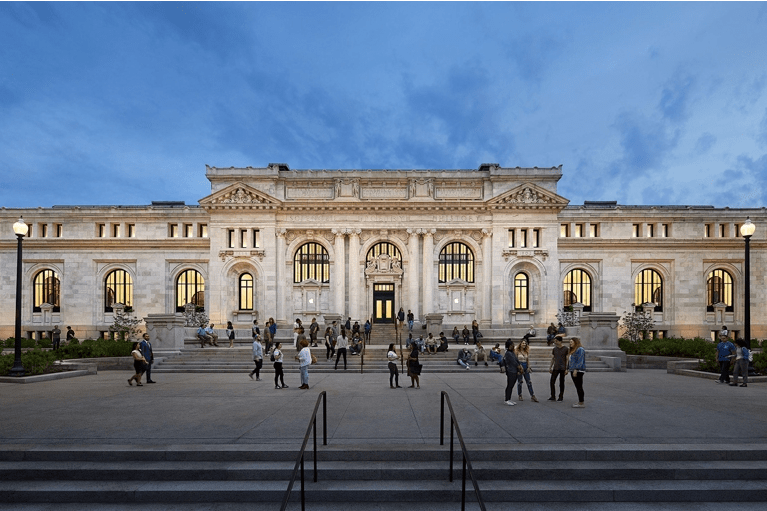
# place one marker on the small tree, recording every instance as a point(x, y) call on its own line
point(568, 317)
point(636, 324)
point(195, 316)
point(126, 325)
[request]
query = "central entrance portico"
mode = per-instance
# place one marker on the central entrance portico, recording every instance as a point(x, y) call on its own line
point(383, 274)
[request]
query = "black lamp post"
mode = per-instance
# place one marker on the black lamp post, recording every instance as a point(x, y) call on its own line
point(747, 230)
point(21, 229)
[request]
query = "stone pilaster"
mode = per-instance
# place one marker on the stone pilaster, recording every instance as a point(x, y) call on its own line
point(428, 270)
point(487, 278)
point(412, 272)
point(339, 273)
point(355, 281)
point(281, 286)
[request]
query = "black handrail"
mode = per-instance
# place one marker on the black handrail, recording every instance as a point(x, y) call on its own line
point(466, 461)
point(300, 460)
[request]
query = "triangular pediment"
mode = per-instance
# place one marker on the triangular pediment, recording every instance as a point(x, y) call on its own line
point(529, 195)
point(238, 195)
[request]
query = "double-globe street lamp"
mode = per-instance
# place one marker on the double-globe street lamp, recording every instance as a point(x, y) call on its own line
point(20, 229)
point(747, 230)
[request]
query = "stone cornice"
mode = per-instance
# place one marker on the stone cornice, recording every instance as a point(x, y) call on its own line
point(657, 243)
point(94, 244)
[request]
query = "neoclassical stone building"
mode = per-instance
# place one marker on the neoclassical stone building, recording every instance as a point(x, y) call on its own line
point(494, 244)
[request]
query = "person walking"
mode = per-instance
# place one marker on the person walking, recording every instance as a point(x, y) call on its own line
point(304, 358)
point(414, 368)
point(341, 343)
point(258, 358)
point(296, 330)
point(279, 375)
point(558, 367)
point(511, 364)
point(272, 331)
point(56, 337)
point(330, 343)
point(410, 320)
point(230, 333)
point(725, 353)
point(255, 330)
point(576, 365)
point(741, 363)
point(401, 318)
point(393, 358)
point(523, 356)
point(139, 365)
point(145, 347)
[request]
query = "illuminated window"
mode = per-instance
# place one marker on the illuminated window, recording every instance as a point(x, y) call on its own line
point(578, 230)
point(650, 230)
point(664, 232)
point(523, 238)
point(243, 238)
point(256, 238)
point(115, 230)
point(59, 230)
point(719, 290)
point(230, 238)
point(635, 231)
point(46, 289)
point(707, 233)
point(190, 288)
point(101, 230)
point(521, 292)
point(43, 230)
point(383, 247)
point(173, 230)
point(456, 261)
point(246, 292)
point(564, 230)
point(311, 262)
point(536, 241)
point(511, 238)
point(594, 230)
point(131, 230)
point(118, 288)
point(577, 289)
point(648, 287)
point(188, 230)
point(203, 230)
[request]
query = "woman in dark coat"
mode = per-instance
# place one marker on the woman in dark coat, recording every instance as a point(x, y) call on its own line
point(414, 368)
point(511, 364)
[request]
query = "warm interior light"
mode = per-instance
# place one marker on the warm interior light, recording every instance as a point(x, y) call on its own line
point(747, 229)
point(20, 228)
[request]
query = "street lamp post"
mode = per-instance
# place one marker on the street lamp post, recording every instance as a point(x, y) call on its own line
point(747, 230)
point(20, 229)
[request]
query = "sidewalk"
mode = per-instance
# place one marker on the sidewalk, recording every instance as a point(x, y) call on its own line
point(635, 407)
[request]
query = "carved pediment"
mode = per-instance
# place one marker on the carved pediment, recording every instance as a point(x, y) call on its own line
point(457, 283)
point(238, 195)
point(529, 195)
point(310, 283)
point(384, 264)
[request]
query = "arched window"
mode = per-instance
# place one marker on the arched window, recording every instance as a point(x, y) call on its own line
point(577, 289)
point(648, 287)
point(456, 261)
point(311, 262)
point(246, 292)
point(383, 248)
point(118, 288)
point(521, 291)
point(190, 288)
point(46, 289)
point(719, 289)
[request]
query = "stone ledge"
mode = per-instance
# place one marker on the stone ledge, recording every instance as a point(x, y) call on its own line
point(44, 377)
point(686, 367)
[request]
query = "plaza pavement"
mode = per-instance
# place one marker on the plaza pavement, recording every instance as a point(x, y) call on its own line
point(637, 406)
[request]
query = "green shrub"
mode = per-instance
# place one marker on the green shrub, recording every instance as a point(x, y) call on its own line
point(674, 347)
point(45, 343)
point(38, 361)
point(760, 362)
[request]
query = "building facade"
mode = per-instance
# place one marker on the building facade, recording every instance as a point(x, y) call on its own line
point(494, 244)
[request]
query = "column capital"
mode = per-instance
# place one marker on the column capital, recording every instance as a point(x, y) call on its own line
point(340, 233)
point(281, 233)
point(487, 233)
point(413, 232)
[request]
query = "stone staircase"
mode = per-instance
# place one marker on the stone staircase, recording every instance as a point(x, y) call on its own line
point(355, 476)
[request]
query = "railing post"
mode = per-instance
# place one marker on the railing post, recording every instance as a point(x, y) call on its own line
point(463, 489)
point(303, 501)
point(442, 419)
point(324, 418)
point(315, 448)
point(451, 447)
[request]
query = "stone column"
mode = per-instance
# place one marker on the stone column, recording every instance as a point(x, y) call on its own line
point(487, 278)
point(339, 273)
point(412, 275)
point(428, 270)
point(280, 287)
point(354, 275)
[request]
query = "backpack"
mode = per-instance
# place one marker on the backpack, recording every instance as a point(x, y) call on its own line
point(748, 355)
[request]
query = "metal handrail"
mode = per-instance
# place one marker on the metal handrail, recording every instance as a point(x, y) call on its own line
point(466, 461)
point(300, 460)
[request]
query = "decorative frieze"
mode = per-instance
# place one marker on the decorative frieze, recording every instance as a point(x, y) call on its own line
point(315, 192)
point(463, 192)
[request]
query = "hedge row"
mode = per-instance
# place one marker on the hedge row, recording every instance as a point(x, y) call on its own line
point(686, 348)
point(38, 361)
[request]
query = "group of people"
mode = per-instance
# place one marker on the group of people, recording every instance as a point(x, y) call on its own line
point(516, 362)
point(428, 345)
point(738, 355)
point(56, 336)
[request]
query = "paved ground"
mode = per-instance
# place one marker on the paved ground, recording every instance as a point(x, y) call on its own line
point(636, 407)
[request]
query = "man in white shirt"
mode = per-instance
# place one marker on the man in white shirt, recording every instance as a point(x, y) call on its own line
point(212, 333)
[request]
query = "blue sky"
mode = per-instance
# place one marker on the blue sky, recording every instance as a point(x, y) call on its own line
point(125, 103)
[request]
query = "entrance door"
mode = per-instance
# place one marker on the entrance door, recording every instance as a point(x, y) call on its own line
point(383, 303)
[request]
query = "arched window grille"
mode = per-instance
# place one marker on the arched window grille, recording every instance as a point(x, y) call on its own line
point(456, 261)
point(577, 289)
point(46, 289)
point(190, 288)
point(719, 289)
point(118, 288)
point(521, 291)
point(648, 287)
point(383, 247)
point(311, 262)
point(246, 292)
